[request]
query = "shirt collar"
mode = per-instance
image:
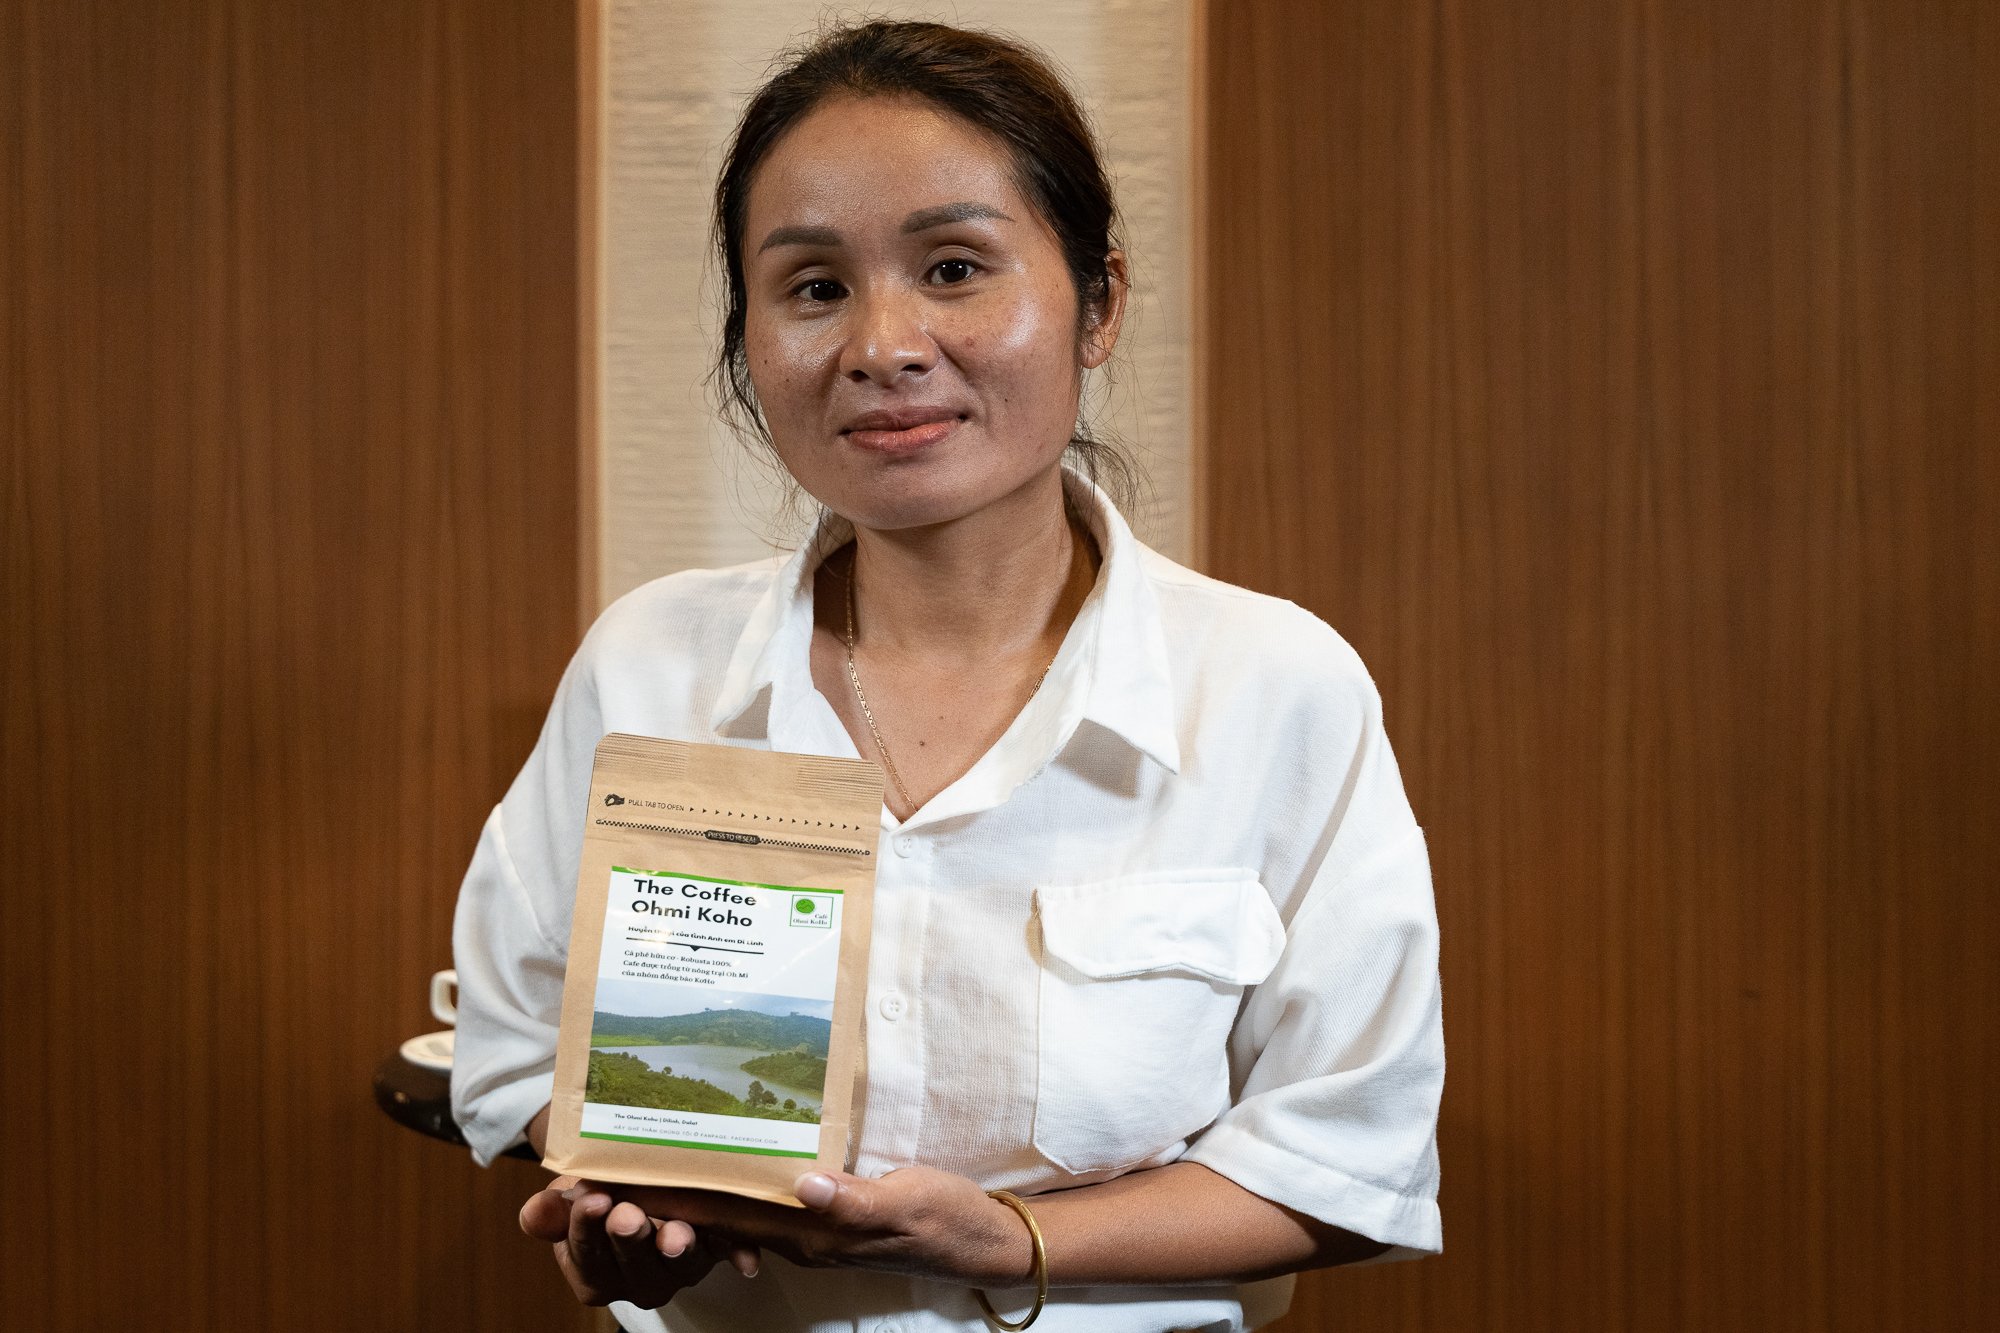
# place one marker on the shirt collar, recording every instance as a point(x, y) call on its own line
point(1111, 669)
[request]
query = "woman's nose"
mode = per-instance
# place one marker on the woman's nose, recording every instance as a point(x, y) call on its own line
point(887, 339)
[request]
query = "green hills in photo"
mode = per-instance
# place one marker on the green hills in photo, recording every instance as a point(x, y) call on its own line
point(716, 1027)
point(797, 1046)
point(794, 1069)
point(618, 1079)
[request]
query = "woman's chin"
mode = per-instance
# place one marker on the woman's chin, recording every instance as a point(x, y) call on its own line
point(906, 516)
point(926, 491)
point(932, 502)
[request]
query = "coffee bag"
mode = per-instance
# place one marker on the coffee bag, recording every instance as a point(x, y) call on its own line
point(718, 959)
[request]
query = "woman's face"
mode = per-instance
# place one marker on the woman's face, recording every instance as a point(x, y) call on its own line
point(910, 323)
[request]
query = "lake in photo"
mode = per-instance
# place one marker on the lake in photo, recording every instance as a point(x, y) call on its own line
point(715, 1064)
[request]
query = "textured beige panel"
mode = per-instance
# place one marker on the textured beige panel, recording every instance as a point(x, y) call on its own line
point(678, 491)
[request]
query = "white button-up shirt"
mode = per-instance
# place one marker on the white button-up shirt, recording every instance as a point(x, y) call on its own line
point(1181, 910)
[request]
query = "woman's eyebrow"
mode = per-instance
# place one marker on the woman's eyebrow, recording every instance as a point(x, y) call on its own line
point(926, 218)
point(921, 220)
point(801, 236)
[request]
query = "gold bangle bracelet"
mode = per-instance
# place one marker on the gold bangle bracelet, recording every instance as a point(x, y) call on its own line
point(1041, 1270)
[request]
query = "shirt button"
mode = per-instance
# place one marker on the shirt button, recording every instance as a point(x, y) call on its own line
point(905, 845)
point(888, 1328)
point(891, 1006)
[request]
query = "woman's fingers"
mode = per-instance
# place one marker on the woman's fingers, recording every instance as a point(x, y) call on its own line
point(631, 1233)
point(655, 1264)
point(915, 1220)
point(674, 1239)
point(545, 1216)
point(850, 1201)
point(609, 1250)
point(593, 1268)
point(743, 1258)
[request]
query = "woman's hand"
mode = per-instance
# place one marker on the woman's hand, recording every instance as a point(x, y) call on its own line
point(612, 1251)
point(919, 1221)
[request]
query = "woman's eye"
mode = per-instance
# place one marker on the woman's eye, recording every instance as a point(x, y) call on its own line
point(949, 271)
point(821, 289)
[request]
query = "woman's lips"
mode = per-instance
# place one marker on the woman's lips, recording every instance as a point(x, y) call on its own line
point(905, 441)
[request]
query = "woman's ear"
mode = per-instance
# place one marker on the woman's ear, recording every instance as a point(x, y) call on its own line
point(1100, 326)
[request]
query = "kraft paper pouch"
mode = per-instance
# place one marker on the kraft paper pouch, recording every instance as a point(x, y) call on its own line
point(718, 961)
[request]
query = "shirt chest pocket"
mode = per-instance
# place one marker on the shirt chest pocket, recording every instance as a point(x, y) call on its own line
point(1140, 982)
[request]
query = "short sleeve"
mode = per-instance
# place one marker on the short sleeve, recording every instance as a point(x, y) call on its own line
point(511, 929)
point(1338, 1054)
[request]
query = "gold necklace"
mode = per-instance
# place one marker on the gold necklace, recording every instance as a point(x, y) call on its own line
point(854, 678)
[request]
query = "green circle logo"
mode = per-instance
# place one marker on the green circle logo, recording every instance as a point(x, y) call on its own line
point(803, 906)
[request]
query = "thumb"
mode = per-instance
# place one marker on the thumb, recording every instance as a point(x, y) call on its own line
point(837, 1196)
point(545, 1216)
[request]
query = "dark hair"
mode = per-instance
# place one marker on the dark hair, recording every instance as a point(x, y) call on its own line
point(994, 84)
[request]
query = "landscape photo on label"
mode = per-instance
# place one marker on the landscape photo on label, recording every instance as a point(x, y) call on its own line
point(695, 1048)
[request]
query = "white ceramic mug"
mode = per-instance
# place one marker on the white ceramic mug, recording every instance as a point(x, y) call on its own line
point(444, 996)
point(433, 1050)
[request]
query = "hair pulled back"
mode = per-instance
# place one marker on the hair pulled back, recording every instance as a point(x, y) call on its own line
point(992, 83)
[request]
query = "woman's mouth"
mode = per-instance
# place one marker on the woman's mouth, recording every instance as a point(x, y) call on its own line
point(901, 433)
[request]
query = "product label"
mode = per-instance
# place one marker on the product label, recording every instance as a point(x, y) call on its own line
point(713, 1013)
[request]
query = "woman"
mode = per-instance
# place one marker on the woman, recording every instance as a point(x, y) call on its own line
point(1154, 945)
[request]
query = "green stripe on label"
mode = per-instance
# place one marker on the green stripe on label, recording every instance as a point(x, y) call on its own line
point(735, 883)
point(704, 1147)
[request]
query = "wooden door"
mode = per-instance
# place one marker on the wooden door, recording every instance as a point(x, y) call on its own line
point(1623, 380)
point(289, 567)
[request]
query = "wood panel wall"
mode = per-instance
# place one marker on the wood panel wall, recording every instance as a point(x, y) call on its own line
point(1623, 380)
point(288, 570)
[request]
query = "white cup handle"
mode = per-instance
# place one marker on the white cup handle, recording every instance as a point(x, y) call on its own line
point(444, 998)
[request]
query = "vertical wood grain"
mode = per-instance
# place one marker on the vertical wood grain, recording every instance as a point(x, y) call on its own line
point(592, 112)
point(1620, 379)
point(288, 334)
